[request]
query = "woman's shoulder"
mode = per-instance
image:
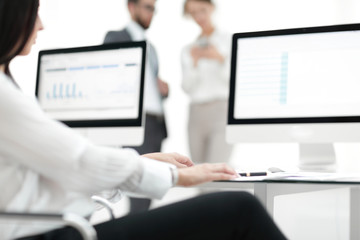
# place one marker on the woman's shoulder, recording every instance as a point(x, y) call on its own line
point(2, 76)
point(6, 83)
point(9, 92)
point(219, 33)
point(221, 38)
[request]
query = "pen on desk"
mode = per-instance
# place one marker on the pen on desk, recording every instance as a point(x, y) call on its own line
point(253, 174)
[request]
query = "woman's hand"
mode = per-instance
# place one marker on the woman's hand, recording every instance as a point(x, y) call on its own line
point(178, 160)
point(196, 54)
point(205, 173)
point(209, 52)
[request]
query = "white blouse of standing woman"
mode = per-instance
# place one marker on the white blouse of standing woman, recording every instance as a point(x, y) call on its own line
point(205, 63)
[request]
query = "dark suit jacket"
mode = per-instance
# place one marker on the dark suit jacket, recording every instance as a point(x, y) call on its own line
point(124, 36)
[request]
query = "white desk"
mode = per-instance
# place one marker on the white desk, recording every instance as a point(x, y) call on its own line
point(267, 190)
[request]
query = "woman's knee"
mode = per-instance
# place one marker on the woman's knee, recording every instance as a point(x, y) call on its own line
point(239, 201)
point(241, 196)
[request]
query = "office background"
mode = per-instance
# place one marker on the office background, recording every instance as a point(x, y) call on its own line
point(84, 22)
point(68, 24)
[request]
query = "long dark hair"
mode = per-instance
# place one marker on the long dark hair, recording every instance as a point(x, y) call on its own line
point(17, 21)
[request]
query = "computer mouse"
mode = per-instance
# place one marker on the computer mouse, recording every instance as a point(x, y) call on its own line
point(275, 170)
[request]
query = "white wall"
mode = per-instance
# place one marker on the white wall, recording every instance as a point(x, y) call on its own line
point(71, 23)
point(85, 22)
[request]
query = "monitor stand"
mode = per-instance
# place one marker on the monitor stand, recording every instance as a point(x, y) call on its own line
point(114, 136)
point(317, 157)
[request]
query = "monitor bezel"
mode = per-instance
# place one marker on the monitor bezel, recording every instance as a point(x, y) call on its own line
point(100, 123)
point(291, 120)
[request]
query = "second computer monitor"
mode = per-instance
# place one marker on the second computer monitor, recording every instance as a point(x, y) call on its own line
point(97, 90)
point(296, 85)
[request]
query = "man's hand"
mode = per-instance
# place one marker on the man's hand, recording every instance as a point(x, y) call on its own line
point(205, 173)
point(163, 88)
point(178, 160)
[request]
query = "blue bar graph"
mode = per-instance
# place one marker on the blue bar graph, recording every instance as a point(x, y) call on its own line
point(74, 90)
point(54, 91)
point(61, 92)
point(67, 91)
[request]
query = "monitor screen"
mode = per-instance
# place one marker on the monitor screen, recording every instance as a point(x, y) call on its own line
point(298, 76)
point(93, 87)
point(294, 77)
point(297, 86)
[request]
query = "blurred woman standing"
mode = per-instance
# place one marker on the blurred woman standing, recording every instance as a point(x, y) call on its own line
point(206, 73)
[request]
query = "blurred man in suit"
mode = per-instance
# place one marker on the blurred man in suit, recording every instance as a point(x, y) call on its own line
point(156, 90)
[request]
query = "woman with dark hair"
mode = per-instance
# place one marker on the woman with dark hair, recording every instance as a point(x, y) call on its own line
point(206, 74)
point(16, 40)
point(46, 167)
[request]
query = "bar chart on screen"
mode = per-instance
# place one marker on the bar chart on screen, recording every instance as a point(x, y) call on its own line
point(82, 84)
point(79, 87)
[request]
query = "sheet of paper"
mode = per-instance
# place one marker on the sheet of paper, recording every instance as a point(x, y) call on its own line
point(315, 176)
point(244, 179)
point(304, 176)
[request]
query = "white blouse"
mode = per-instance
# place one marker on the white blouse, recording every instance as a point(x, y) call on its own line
point(209, 80)
point(47, 167)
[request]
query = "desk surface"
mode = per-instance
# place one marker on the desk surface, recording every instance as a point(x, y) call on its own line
point(293, 181)
point(267, 188)
point(303, 177)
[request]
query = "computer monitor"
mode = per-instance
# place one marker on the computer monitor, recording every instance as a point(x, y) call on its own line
point(97, 90)
point(297, 85)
